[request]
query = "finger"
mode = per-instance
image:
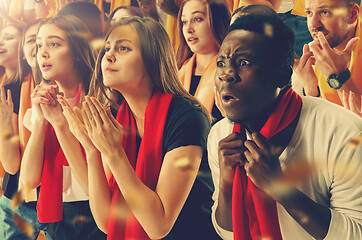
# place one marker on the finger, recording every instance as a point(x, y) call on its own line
point(230, 152)
point(344, 99)
point(249, 158)
point(232, 137)
point(86, 112)
point(66, 108)
point(311, 60)
point(3, 97)
point(315, 48)
point(85, 118)
point(67, 114)
point(299, 63)
point(323, 42)
point(305, 58)
point(260, 142)
point(40, 100)
point(234, 159)
point(350, 45)
point(114, 121)
point(94, 111)
point(306, 49)
point(78, 114)
point(10, 99)
point(62, 101)
point(102, 112)
point(352, 102)
point(46, 94)
point(252, 148)
point(52, 90)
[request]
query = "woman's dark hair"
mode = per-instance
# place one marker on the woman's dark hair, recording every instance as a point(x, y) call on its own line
point(219, 20)
point(255, 9)
point(134, 11)
point(82, 51)
point(15, 77)
point(158, 58)
point(88, 13)
point(24, 69)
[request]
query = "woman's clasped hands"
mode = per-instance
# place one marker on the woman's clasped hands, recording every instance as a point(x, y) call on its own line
point(93, 125)
point(45, 105)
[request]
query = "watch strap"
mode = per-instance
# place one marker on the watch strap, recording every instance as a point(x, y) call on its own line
point(341, 78)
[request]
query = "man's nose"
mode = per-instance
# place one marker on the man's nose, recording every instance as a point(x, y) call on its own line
point(314, 23)
point(228, 74)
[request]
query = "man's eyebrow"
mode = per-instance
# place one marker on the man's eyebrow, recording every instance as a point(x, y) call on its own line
point(321, 6)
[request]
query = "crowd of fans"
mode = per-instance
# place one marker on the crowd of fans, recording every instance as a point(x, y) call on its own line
point(190, 119)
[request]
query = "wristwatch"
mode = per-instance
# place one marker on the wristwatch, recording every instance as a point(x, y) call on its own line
point(337, 80)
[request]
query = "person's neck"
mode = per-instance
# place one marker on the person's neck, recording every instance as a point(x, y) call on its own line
point(278, 142)
point(256, 122)
point(9, 71)
point(69, 86)
point(202, 61)
point(351, 34)
point(138, 102)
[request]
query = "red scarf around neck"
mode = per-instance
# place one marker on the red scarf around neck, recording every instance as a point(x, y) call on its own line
point(50, 202)
point(147, 164)
point(254, 213)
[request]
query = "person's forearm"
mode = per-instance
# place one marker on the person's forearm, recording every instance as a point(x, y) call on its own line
point(32, 162)
point(156, 210)
point(74, 155)
point(9, 146)
point(314, 218)
point(349, 86)
point(223, 212)
point(41, 10)
point(144, 203)
point(311, 90)
point(99, 193)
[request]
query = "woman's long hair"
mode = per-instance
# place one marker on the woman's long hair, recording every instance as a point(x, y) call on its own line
point(219, 20)
point(24, 68)
point(15, 77)
point(158, 58)
point(134, 11)
point(82, 51)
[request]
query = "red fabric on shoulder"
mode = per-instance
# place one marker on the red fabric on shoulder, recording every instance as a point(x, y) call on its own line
point(50, 202)
point(254, 212)
point(147, 164)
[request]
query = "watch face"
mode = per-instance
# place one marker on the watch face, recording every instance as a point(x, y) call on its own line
point(334, 83)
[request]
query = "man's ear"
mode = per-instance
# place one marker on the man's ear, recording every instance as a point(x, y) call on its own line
point(353, 13)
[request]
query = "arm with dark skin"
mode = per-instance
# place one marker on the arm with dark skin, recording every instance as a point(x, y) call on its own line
point(264, 170)
point(263, 167)
point(230, 153)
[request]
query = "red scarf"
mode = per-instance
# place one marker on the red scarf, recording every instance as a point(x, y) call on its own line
point(147, 164)
point(254, 212)
point(50, 202)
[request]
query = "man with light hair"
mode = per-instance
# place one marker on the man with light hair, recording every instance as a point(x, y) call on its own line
point(336, 52)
